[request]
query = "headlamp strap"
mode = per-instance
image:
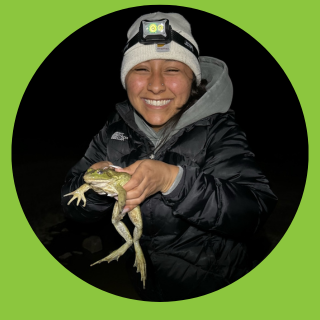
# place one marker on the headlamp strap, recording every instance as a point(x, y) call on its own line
point(131, 43)
point(175, 36)
point(178, 38)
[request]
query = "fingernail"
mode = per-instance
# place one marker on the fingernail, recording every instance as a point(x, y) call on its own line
point(125, 210)
point(115, 167)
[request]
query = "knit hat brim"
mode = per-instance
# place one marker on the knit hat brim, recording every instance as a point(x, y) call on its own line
point(140, 53)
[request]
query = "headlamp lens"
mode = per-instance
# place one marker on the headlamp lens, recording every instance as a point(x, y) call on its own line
point(153, 28)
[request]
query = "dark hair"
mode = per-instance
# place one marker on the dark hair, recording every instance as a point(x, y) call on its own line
point(197, 91)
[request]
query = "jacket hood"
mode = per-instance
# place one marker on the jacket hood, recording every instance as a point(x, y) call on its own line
point(219, 93)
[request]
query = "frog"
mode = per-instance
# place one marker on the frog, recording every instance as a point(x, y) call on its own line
point(107, 181)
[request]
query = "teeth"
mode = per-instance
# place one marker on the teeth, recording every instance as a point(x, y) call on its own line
point(157, 103)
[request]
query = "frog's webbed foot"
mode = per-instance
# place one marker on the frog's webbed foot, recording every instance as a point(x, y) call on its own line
point(140, 263)
point(79, 194)
point(115, 255)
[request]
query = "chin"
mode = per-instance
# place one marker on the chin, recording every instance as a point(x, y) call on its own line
point(156, 124)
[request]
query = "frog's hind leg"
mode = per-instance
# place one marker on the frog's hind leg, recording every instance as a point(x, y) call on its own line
point(123, 231)
point(140, 263)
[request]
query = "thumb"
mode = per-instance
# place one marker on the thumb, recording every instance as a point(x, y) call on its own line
point(130, 169)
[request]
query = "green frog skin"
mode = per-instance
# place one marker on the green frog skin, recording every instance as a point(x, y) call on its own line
point(107, 181)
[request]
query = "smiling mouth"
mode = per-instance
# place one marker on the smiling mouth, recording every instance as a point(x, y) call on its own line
point(157, 103)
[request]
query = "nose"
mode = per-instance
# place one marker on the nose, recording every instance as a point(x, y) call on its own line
point(156, 83)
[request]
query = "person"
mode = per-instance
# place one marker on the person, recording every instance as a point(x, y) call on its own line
point(194, 175)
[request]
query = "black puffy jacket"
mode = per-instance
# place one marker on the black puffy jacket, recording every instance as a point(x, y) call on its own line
point(193, 238)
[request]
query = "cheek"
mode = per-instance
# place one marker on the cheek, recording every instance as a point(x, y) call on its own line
point(181, 88)
point(134, 86)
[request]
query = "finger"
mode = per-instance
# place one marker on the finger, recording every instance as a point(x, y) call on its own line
point(133, 183)
point(138, 177)
point(129, 208)
point(143, 190)
point(101, 164)
point(130, 169)
point(136, 201)
point(95, 166)
point(124, 211)
point(127, 170)
point(134, 193)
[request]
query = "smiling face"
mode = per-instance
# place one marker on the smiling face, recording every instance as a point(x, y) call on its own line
point(157, 88)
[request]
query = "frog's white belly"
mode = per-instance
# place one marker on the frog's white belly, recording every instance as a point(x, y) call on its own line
point(102, 187)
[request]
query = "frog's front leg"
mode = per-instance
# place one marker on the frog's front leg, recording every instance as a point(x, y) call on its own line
point(123, 231)
point(79, 194)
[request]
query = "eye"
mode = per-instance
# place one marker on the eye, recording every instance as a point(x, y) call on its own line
point(140, 69)
point(172, 71)
point(99, 172)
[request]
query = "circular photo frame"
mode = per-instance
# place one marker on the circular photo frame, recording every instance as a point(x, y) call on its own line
point(68, 101)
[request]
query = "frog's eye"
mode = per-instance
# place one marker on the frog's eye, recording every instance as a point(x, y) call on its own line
point(99, 172)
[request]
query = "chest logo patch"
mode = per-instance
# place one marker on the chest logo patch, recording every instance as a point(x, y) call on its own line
point(119, 136)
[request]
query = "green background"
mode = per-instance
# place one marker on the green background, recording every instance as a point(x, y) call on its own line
point(35, 285)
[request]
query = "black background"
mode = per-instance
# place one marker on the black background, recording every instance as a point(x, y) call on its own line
point(71, 94)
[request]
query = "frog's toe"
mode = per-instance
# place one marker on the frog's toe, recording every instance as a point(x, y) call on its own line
point(140, 264)
point(68, 194)
point(74, 197)
point(84, 200)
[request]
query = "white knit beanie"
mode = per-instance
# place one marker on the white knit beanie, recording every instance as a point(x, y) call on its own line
point(140, 52)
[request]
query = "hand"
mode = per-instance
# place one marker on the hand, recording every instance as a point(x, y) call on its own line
point(148, 178)
point(101, 164)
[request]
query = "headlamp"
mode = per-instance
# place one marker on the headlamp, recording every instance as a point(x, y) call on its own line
point(159, 31)
point(154, 31)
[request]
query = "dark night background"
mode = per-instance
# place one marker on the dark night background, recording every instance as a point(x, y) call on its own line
point(68, 101)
